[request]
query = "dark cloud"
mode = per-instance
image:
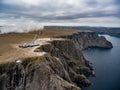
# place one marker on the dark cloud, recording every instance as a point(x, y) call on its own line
point(37, 11)
point(58, 10)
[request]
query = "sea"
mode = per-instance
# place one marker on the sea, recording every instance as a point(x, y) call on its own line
point(107, 66)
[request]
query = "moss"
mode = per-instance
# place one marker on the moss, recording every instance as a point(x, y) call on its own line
point(81, 80)
point(84, 70)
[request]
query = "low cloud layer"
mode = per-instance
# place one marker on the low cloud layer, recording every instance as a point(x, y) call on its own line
point(36, 13)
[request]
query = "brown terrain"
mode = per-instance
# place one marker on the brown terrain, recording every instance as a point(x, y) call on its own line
point(9, 43)
point(56, 63)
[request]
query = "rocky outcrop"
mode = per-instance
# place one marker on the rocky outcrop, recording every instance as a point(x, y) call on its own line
point(63, 67)
point(38, 73)
point(84, 40)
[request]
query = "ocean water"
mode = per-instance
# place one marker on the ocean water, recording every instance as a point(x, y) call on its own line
point(107, 66)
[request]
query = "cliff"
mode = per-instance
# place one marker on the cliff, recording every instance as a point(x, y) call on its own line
point(62, 67)
point(84, 40)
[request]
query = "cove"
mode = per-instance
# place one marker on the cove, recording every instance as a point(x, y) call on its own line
point(107, 66)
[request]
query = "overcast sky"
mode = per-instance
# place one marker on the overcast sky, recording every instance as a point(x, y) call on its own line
point(22, 14)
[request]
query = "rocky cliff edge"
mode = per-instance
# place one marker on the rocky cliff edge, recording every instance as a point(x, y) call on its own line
point(62, 67)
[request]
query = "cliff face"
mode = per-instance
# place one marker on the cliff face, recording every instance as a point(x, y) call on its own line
point(63, 67)
point(84, 40)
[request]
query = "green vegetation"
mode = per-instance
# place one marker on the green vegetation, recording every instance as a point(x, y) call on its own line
point(81, 80)
point(84, 70)
point(9, 41)
point(54, 32)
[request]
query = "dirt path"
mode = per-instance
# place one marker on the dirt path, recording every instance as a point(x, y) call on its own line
point(16, 52)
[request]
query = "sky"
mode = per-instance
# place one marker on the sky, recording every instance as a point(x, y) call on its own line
point(18, 15)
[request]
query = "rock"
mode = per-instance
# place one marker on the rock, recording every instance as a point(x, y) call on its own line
point(84, 40)
point(63, 67)
point(81, 80)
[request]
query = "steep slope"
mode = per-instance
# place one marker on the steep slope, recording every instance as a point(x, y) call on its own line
point(84, 40)
point(63, 67)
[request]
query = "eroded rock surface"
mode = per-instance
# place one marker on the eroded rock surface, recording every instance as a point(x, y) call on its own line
point(62, 67)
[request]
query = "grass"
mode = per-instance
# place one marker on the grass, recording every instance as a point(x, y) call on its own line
point(7, 40)
point(56, 32)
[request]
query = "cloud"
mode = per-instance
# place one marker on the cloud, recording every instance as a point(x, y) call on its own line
point(42, 8)
point(20, 25)
point(59, 11)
